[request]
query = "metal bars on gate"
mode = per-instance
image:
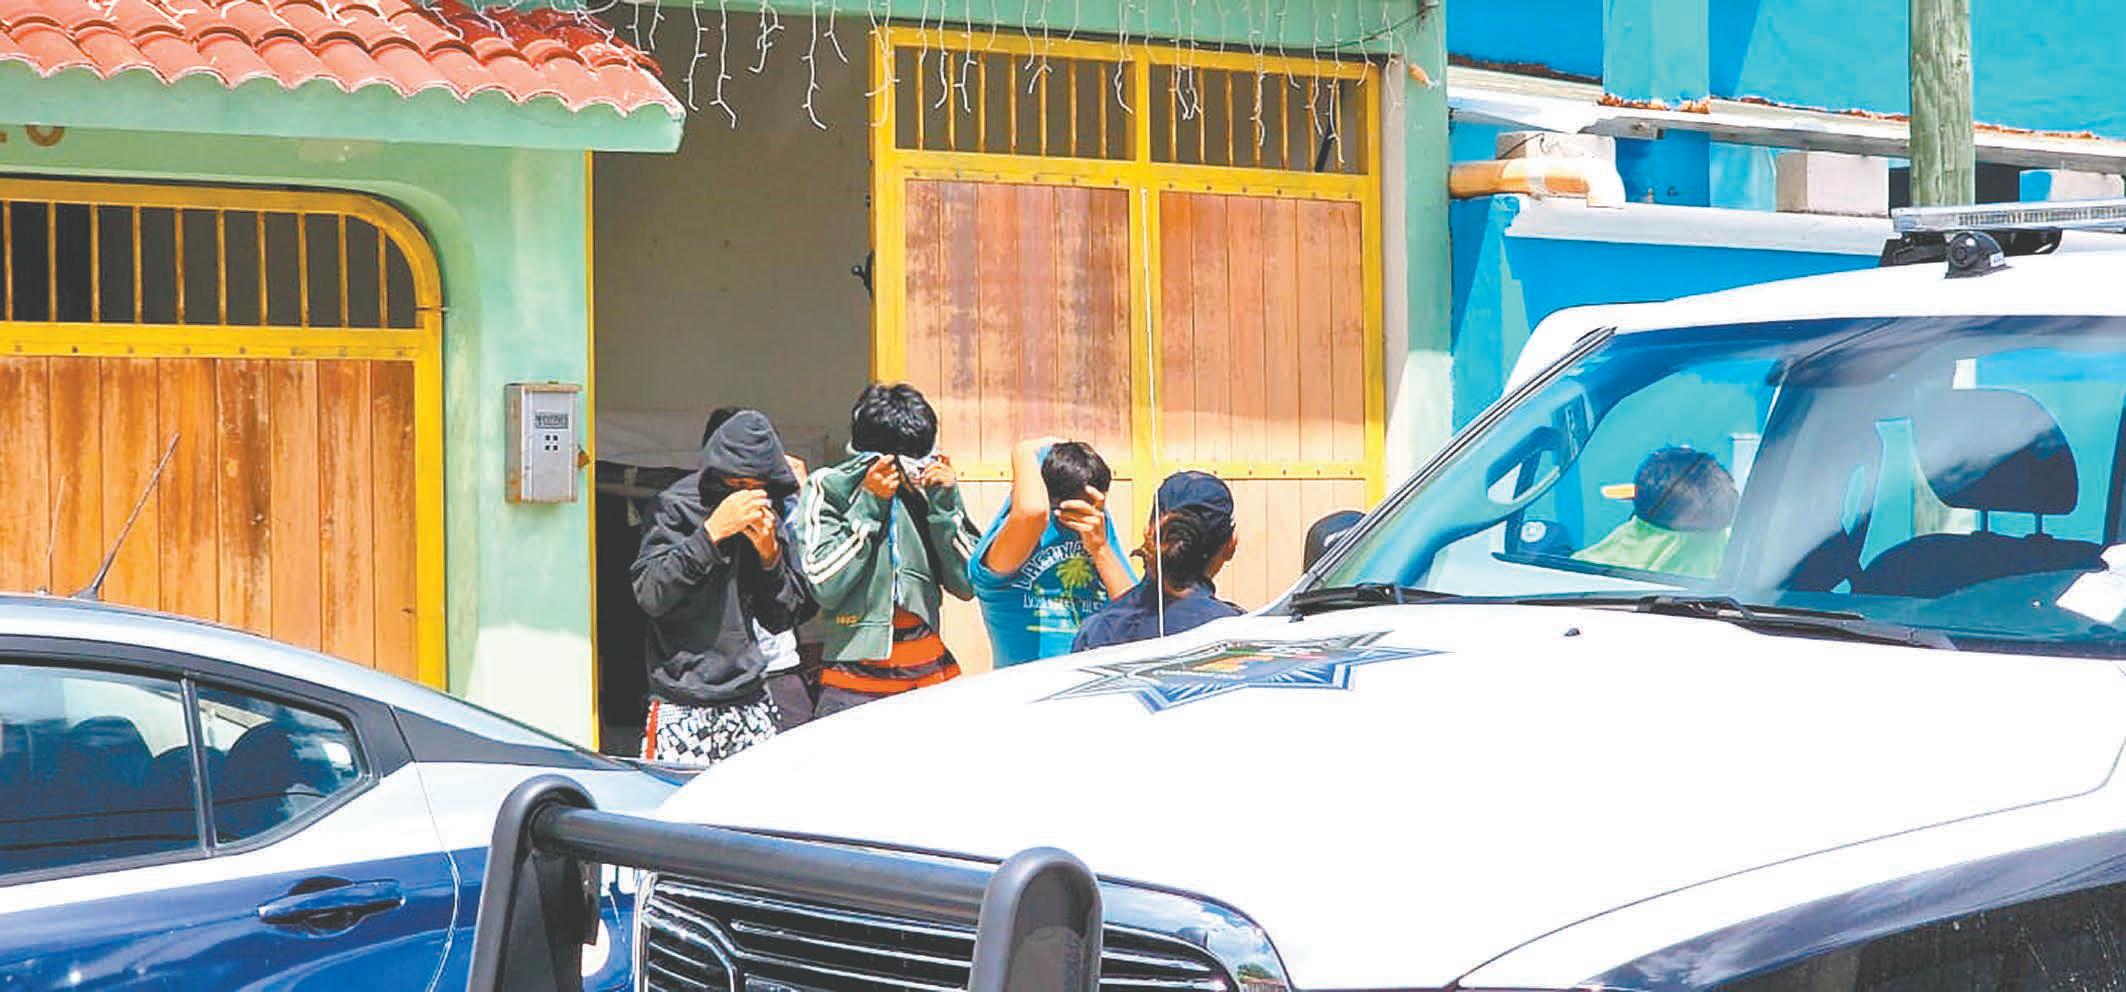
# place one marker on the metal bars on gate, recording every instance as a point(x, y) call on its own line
point(537, 910)
point(120, 254)
point(945, 97)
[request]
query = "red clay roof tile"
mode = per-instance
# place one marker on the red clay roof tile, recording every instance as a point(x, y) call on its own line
point(172, 56)
point(540, 51)
point(465, 73)
point(408, 45)
point(256, 21)
point(49, 49)
point(411, 70)
point(353, 67)
point(138, 18)
point(293, 64)
point(317, 29)
point(110, 50)
point(75, 15)
point(233, 59)
point(16, 13)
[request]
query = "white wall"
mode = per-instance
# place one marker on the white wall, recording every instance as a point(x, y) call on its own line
point(723, 270)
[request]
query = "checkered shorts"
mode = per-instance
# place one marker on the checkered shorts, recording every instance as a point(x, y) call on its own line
point(704, 735)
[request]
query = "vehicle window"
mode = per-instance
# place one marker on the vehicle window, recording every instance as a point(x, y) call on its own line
point(2068, 389)
point(95, 766)
point(2071, 942)
point(1954, 474)
point(1651, 491)
point(269, 763)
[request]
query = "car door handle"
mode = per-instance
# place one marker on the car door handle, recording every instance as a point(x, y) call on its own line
point(335, 908)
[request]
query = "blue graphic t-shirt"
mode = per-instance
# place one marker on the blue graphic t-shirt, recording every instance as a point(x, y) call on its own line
point(1034, 611)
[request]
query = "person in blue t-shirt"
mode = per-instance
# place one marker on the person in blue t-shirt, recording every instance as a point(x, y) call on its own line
point(1187, 541)
point(1050, 559)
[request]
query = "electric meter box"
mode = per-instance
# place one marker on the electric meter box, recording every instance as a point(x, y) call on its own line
point(542, 423)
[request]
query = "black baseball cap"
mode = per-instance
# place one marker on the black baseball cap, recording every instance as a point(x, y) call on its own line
point(1200, 489)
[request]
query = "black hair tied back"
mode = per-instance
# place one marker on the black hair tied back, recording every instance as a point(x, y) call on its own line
point(1190, 538)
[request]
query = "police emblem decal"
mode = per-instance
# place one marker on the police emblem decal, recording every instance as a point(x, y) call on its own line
point(1224, 667)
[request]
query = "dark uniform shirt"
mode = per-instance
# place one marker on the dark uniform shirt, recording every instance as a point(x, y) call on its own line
point(1135, 616)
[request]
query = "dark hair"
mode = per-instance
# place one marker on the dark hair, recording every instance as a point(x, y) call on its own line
point(1190, 538)
point(1071, 466)
point(893, 420)
point(1681, 489)
point(717, 417)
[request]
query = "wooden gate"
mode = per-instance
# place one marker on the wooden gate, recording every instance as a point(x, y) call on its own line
point(1173, 254)
point(287, 343)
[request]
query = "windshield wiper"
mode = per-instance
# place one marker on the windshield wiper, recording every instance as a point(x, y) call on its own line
point(1331, 598)
point(1830, 624)
point(1834, 624)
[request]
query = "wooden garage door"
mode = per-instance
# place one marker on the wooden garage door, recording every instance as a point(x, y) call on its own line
point(1263, 367)
point(283, 355)
point(1168, 252)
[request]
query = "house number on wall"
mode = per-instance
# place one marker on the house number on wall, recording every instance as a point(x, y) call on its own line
point(42, 137)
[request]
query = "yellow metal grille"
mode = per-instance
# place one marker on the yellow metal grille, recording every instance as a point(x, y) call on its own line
point(968, 100)
point(78, 254)
point(1257, 119)
point(1005, 94)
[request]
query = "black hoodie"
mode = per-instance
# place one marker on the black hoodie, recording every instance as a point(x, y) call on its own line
point(702, 598)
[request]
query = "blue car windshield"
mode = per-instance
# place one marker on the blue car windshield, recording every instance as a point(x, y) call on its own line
point(1951, 474)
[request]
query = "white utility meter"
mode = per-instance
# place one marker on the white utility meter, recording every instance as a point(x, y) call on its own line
point(542, 450)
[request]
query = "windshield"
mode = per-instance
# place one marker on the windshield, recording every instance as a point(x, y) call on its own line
point(1959, 475)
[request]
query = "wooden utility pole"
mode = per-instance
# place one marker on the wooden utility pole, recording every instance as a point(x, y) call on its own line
point(1944, 164)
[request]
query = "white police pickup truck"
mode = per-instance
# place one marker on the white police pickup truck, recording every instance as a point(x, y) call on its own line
point(1766, 640)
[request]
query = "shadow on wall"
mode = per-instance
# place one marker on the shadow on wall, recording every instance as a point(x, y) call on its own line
point(724, 269)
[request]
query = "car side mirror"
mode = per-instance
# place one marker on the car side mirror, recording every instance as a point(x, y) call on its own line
point(1327, 531)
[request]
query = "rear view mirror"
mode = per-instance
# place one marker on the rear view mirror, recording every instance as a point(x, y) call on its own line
point(1327, 531)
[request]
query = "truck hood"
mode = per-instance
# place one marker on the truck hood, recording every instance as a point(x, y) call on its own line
point(1399, 794)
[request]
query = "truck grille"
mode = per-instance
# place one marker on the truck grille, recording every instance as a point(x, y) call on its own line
point(694, 937)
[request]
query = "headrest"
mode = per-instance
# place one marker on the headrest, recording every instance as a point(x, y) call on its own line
point(103, 750)
point(1994, 449)
point(268, 758)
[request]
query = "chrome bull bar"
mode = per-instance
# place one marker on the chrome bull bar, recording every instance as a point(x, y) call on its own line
point(1037, 916)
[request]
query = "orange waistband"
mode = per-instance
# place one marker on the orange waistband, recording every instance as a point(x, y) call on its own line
point(838, 678)
point(912, 654)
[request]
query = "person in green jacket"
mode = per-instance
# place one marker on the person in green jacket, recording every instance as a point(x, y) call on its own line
point(884, 536)
point(1682, 504)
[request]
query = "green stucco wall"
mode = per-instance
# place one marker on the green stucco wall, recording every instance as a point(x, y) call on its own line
point(508, 229)
point(1420, 383)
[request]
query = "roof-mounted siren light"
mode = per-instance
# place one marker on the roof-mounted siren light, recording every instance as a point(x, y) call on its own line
point(1923, 233)
point(2066, 215)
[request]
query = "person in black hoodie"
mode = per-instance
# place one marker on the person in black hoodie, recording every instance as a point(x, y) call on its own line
point(714, 564)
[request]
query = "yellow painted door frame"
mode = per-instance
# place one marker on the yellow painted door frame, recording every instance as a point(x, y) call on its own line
point(420, 344)
point(1143, 177)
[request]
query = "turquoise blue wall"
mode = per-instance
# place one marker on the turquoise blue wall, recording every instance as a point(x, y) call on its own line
point(2043, 64)
point(1563, 35)
point(1504, 286)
